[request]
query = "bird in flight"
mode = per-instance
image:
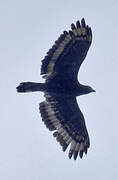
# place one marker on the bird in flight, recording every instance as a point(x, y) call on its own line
point(60, 111)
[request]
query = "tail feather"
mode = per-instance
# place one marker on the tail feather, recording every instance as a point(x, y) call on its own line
point(30, 87)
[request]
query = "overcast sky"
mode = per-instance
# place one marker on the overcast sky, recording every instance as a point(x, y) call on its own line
point(28, 150)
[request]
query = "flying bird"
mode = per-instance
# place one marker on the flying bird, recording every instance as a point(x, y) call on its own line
point(60, 111)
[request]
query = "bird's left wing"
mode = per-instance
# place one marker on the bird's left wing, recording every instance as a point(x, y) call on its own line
point(62, 115)
point(67, 54)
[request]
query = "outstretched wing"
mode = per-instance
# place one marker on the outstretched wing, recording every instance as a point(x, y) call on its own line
point(67, 54)
point(62, 115)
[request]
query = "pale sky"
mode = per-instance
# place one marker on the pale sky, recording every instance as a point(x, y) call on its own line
point(28, 150)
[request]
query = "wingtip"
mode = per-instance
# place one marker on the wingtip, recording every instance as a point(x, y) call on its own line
point(73, 26)
point(78, 24)
point(83, 22)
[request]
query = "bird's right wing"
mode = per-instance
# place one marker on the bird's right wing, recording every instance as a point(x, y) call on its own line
point(62, 115)
point(67, 54)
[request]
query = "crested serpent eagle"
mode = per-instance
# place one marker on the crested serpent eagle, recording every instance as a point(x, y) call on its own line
point(60, 112)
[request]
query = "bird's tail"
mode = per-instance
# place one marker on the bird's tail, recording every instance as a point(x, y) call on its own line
point(30, 87)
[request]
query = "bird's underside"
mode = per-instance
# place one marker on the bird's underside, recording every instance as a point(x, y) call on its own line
point(60, 112)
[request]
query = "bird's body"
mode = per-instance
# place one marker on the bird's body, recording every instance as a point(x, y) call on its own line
point(60, 67)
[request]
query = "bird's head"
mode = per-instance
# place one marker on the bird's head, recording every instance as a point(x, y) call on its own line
point(83, 89)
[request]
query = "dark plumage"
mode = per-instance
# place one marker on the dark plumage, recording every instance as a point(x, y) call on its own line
point(60, 111)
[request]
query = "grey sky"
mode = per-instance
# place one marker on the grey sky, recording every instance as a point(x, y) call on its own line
point(28, 29)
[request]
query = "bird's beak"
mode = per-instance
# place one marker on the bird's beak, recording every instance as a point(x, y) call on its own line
point(93, 90)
